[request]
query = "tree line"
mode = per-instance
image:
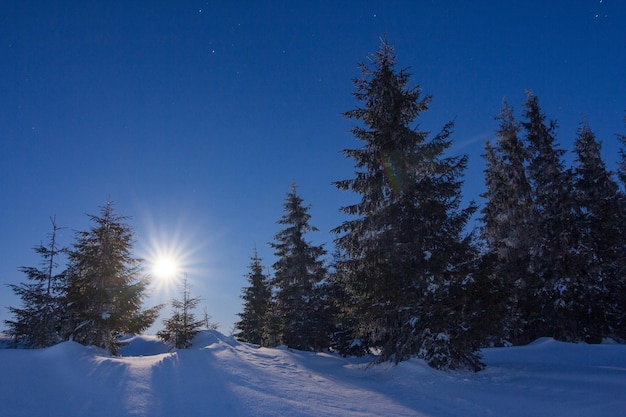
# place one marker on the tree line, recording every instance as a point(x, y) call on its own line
point(407, 277)
point(98, 296)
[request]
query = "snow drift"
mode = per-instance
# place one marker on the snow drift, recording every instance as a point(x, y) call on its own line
point(219, 376)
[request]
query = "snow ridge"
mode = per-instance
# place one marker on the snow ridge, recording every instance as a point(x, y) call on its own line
point(220, 376)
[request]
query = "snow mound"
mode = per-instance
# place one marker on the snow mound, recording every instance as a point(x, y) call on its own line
point(547, 352)
point(68, 349)
point(143, 345)
point(220, 376)
point(207, 338)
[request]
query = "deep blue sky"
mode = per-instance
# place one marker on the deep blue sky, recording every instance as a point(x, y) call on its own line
point(195, 117)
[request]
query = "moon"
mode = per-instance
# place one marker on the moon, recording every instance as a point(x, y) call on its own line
point(165, 268)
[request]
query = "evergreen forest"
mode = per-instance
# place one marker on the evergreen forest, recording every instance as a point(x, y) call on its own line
point(414, 272)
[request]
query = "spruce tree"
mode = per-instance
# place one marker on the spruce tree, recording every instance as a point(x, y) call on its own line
point(620, 310)
point(508, 221)
point(38, 322)
point(592, 298)
point(257, 297)
point(551, 263)
point(182, 326)
point(104, 289)
point(621, 170)
point(345, 336)
point(297, 271)
point(408, 261)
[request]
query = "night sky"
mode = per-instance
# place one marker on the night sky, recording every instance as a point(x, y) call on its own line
point(195, 117)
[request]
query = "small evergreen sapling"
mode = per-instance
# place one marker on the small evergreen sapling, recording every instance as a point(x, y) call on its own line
point(182, 326)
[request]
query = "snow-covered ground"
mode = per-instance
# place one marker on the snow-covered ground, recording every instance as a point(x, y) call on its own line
point(219, 376)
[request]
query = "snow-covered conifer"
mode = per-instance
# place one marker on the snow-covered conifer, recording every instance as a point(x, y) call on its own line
point(37, 323)
point(182, 326)
point(104, 287)
point(257, 297)
point(551, 262)
point(407, 260)
point(508, 220)
point(297, 271)
point(592, 299)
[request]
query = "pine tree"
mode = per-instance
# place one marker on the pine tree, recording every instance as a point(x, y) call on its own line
point(325, 314)
point(621, 170)
point(182, 326)
point(508, 221)
point(620, 309)
point(207, 322)
point(551, 263)
point(273, 324)
point(104, 289)
point(591, 300)
point(37, 323)
point(345, 336)
point(407, 260)
point(257, 299)
point(297, 271)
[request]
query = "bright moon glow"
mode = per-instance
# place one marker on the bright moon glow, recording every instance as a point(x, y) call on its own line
point(172, 253)
point(165, 268)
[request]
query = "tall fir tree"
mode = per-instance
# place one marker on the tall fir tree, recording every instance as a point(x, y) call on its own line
point(508, 220)
point(621, 169)
point(407, 261)
point(105, 290)
point(345, 336)
point(592, 299)
point(182, 326)
point(551, 262)
point(38, 322)
point(253, 324)
point(620, 314)
point(297, 272)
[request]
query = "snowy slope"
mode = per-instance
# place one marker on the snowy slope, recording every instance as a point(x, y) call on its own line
point(219, 376)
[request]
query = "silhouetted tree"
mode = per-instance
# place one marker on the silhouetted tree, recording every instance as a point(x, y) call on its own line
point(552, 260)
point(620, 313)
point(257, 299)
point(182, 326)
point(297, 271)
point(408, 262)
point(105, 290)
point(38, 322)
point(591, 298)
point(508, 219)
